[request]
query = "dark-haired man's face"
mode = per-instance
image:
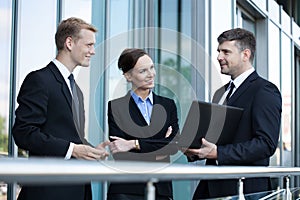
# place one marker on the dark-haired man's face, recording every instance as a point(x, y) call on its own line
point(230, 59)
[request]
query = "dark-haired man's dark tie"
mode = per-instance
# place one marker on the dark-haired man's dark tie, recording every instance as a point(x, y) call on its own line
point(75, 102)
point(231, 87)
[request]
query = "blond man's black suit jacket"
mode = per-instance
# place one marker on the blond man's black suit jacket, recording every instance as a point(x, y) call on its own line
point(126, 121)
point(45, 127)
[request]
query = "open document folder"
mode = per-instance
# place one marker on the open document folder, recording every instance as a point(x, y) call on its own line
point(214, 122)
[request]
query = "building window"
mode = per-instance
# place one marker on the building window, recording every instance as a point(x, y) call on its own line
point(5, 55)
point(5, 48)
point(286, 92)
point(30, 40)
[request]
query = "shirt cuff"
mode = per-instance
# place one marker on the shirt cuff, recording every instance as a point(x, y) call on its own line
point(70, 151)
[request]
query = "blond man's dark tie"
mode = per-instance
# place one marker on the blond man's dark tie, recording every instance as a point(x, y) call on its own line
point(75, 102)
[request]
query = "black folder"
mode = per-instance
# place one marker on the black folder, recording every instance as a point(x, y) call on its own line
point(214, 122)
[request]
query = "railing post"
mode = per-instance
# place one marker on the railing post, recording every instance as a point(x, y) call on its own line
point(288, 194)
point(150, 190)
point(241, 189)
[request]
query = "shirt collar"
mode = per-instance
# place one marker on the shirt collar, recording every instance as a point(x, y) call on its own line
point(242, 77)
point(62, 69)
point(137, 98)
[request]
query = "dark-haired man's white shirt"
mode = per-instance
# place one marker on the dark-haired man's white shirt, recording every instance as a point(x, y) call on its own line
point(237, 82)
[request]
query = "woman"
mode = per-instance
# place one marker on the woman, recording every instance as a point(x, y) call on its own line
point(141, 125)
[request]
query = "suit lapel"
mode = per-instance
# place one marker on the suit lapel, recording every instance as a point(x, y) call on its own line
point(60, 79)
point(243, 87)
point(219, 93)
point(135, 112)
point(66, 92)
point(134, 108)
point(155, 111)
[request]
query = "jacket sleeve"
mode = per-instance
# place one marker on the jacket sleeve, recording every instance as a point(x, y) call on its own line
point(163, 145)
point(31, 115)
point(149, 147)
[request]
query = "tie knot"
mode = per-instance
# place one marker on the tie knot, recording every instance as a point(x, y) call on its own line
point(71, 77)
point(231, 86)
point(72, 81)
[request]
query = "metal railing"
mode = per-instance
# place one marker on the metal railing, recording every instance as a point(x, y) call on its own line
point(45, 171)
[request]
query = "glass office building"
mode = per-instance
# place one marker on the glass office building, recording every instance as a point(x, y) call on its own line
point(180, 36)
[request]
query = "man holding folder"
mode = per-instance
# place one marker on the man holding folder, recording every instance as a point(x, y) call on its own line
point(256, 137)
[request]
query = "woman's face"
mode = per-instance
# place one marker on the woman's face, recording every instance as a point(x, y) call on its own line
point(142, 75)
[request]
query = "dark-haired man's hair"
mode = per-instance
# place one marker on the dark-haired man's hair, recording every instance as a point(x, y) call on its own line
point(243, 40)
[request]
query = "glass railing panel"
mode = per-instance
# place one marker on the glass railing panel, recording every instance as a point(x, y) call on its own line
point(295, 193)
point(275, 194)
point(266, 195)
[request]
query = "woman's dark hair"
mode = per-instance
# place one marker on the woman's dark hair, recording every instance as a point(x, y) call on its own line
point(129, 57)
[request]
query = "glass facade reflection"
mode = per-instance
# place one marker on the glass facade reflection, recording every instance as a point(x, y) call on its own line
point(180, 36)
point(286, 91)
point(5, 49)
point(5, 84)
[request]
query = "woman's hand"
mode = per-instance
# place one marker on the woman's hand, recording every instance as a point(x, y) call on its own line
point(169, 131)
point(120, 145)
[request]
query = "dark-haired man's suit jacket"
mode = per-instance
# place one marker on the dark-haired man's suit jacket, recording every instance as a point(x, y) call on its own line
point(126, 121)
point(256, 138)
point(45, 127)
